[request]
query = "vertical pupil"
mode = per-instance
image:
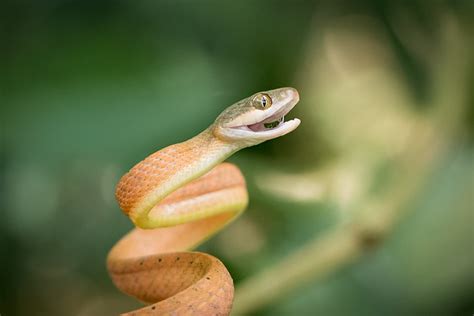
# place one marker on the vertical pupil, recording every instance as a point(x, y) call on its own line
point(264, 101)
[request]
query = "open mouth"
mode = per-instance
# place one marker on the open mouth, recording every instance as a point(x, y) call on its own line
point(270, 123)
point(267, 124)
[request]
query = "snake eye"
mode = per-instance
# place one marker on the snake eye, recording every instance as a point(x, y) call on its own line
point(262, 101)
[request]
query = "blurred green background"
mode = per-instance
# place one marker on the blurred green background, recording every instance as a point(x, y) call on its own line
point(366, 209)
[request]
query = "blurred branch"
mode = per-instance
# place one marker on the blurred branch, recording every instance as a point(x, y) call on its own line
point(376, 216)
point(345, 243)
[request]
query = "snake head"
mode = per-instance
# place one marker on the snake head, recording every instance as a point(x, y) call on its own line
point(258, 118)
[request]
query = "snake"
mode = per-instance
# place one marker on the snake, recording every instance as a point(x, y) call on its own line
point(180, 196)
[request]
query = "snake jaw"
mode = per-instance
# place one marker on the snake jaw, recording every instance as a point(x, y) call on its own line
point(262, 131)
point(244, 123)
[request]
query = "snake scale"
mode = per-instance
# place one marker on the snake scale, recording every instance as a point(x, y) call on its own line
point(181, 195)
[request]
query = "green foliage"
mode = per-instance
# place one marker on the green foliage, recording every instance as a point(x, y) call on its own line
point(90, 88)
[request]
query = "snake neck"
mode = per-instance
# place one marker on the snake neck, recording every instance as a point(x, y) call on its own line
point(201, 153)
point(209, 149)
point(168, 169)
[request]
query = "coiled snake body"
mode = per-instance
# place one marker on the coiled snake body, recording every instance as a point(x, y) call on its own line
point(180, 196)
